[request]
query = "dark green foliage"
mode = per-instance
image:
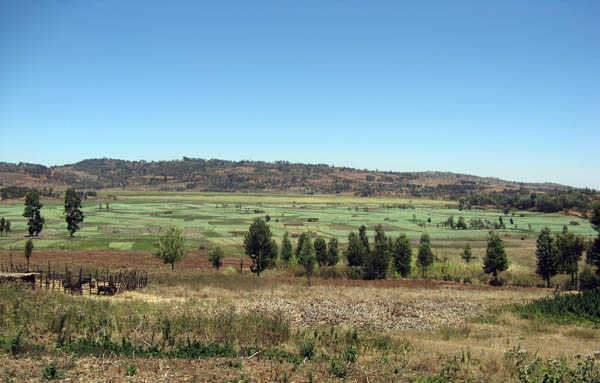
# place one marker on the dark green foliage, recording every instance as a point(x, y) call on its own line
point(583, 307)
point(362, 234)
point(461, 224)
point(333, 252)
point(73, 214)
point(130, 369)
point(32, 212)
point(306, 258)
point(170, 247)
point(321, 251)
point(570, 249)
point(216, 257)
point(450, 222)
point(546, 256)
point(258, 245)
point(495, 256)
point(306, 349)
point(7, 227)
point(376, 262)
point(49, 371)
point(286, 248)
point(425, 255)
point(588, 280)
point(402, 255)
point(28, 251)
point(467, 254)
point(2, 225)
point(594, 254)
point(595, 219)
point(303, 237)
point(354, 251)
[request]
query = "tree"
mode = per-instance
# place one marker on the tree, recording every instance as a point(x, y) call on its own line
point(333, 252)
point(74, 215)
point(259, 246)
point(461, 224)
point(306, 258)
point(170, 247)
point(450, 222)
point(376, 262)
point(286, 248)
point(362, 234)
point(321, 251)
point(467, 254)
point(216, 257)
point(32, 212)
point(402, 255)
point(595, 220)
point(274, 252)
point(303, 237)
point(2, 225)
point(354, 251)
point(425, 255)
point(495, 256)
point(594, 251)
point(28, 251)
point(570, 249)
point(546, 255)
point(501, 222)
point(7, 227)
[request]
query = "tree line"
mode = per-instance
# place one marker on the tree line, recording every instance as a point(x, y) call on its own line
point(561, 254)
point(35, 220)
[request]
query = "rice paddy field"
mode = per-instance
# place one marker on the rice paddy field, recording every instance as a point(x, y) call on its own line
point(133, 220)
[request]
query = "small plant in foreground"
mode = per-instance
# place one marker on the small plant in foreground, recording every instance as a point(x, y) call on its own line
point(130, 370)
point(49, 371)
point(307, 349)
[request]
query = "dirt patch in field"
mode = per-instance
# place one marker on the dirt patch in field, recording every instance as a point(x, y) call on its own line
point(114, 258)
point(379, 314)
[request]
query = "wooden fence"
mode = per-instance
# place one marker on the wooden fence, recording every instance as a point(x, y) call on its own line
point(78, 281)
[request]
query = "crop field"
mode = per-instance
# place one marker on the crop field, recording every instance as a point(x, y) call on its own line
point(198, 324)
point(133, 220)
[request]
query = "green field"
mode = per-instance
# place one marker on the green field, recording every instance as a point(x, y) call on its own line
point(209, 219)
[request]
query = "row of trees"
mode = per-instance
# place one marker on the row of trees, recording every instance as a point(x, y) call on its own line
point(372, 261)
point(4, 226)
point(562, 253)
point(33, 212)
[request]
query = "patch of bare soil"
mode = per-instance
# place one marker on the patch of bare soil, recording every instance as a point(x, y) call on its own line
point(379, 314)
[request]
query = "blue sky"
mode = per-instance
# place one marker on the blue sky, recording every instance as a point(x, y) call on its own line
point(493, 88)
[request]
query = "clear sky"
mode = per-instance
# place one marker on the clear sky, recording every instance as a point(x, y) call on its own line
point(493, 88)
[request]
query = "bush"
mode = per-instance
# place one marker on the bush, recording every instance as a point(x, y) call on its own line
point(569, 308)
point(588, 280)
point(306, 349)
point(354, 272)
point(49, 371)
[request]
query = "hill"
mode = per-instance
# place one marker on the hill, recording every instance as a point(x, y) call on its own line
point(214, 175)
point(195, 174)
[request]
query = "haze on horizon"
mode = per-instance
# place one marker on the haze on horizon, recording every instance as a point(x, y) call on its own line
point(503, 88)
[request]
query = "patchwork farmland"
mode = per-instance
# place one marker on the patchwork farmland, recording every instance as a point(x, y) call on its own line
point(197, 324)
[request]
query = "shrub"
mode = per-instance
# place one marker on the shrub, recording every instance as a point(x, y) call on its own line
point(306, 349)
point(49, 371)
point(569, 308)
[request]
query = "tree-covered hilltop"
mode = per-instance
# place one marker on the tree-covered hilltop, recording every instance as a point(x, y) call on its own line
point(197, 174)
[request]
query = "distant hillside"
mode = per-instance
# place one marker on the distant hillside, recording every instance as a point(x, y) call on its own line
point(192, 174)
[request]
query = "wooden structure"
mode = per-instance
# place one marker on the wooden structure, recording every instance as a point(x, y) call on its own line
point(71, 281)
